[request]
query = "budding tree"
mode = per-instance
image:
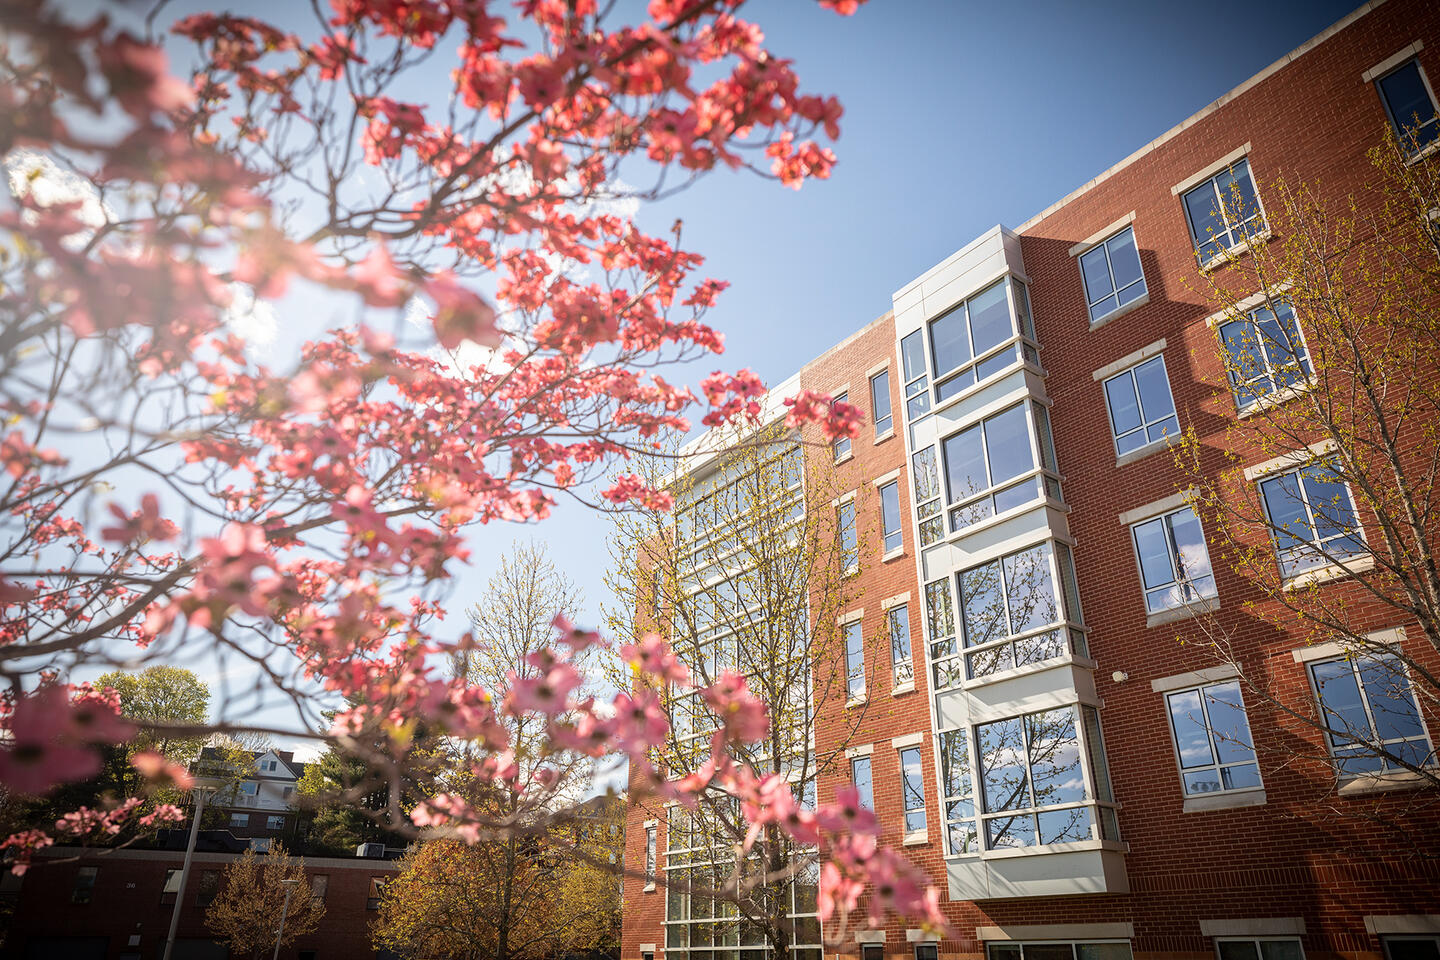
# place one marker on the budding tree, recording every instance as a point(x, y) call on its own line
point(1322, 496)
point(746, 578)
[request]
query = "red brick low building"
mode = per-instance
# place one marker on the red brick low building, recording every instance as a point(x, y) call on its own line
point(117, 905)
point(1039, 750)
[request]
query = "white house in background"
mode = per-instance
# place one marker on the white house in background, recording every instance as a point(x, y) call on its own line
point(260, 801)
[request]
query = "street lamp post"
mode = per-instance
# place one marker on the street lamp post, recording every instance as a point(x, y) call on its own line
point(284, 912)
point(200, 794)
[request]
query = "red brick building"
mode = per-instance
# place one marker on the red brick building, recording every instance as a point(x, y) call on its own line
point(1079, 784)
point(117, 905)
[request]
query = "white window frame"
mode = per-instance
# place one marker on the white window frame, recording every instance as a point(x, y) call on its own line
point(1065, 625)
point(854, 692)
point(1275, 393)
point(889, 419)
point(849, 557)
point(1318, 551)
point(1146, 421)
point(1353, 660)
point(1040, 477)
point(887, 531)
point(902, 668)
point(1021, 332)
point(867, 802)
point(917, 382)
point(1103, 248)
point(1398, 128)
point(1184, 583)
point(651, 854)
point(841, 447)
point(1233, 237)
point(906, 810)
point(1218, 767)
point(1090, 801)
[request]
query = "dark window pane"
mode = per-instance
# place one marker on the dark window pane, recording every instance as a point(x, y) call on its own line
point(1340, 697)
point(1096, 271)
point(1391, 701)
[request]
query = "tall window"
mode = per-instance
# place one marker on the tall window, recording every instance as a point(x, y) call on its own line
point(880, 403)
point(1369, 711)
point(1212, 739)
point(1410, 106)
point(1141, 408)
point(841, 447)
point(650, 854)
point(1011, 612)
point(959, 790)
point(890, 516)
point(982, 460)
point(849, 541)
point(1112, 274)
point(969, 339)
point(927, 496)
point(1222, 211)
point(912, 362)
point(854, 661)
point(1174, 562)
point(1033, 780)
point(84, 884)
point(319, 887)
point(912, 784)
point(902, 667)
point(860, 776)
point(376, 894)
point(1312, 518)
point(1264, 353)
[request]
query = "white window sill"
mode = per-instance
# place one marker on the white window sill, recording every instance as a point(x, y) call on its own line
point(1336, 571)
point(999, 518)
point(903, 689)
point(1239, 250)
point(893, 555)
point(1277, 397)
point(845, 459)
point(649, 888)
point(1382, 783)
point(1140, 453)
point(1230, 800)
point(1119, 312)
point(859, 701)
point(1040, 851)
point(1063, 660)
point(1426, 152)
point(915, 839)
point(1185, 612)
point(881, 438)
